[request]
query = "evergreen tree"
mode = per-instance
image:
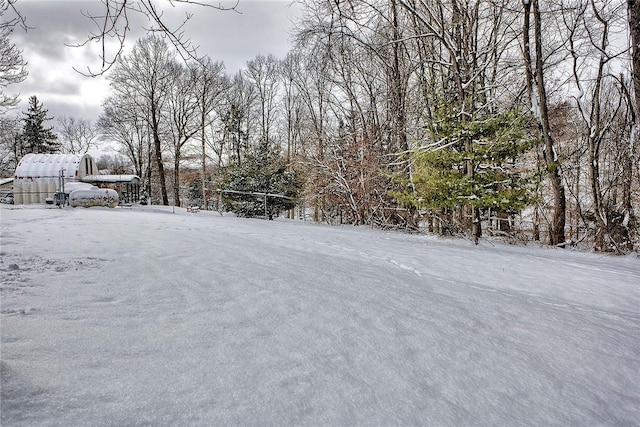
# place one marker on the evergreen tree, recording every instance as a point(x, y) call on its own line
point(493, 146)
point(36, 138)
point(262, 171)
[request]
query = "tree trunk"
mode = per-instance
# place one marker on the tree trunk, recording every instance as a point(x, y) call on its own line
point(538, 96)
point(149, 166)
point(634, 138)
point(596, 194)
point(627, 176)
point(474, 223)
point(159, 163)
point(398, 106)
point(594, 139)
point(551, 157)
point(205, 201)
point(634, 30)
point(176, 178)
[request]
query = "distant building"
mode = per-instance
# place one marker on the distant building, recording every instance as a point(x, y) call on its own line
point(40, 176)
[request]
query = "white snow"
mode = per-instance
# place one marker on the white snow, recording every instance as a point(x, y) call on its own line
point(144, 317)
point(535, 106)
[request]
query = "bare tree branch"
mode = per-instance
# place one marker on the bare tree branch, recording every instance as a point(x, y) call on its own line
point(16, 19)
point(113, 24)
point(78, 136)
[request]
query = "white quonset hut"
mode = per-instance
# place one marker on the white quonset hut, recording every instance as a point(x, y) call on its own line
point(39, 176)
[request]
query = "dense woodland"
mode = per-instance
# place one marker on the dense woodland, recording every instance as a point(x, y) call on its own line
point(455, 117)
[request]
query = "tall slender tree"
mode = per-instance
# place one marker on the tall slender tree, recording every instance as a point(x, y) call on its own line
point(634, 32)
point(145, 76)
point(183, 119)
point(535, 79)
point(210, 85)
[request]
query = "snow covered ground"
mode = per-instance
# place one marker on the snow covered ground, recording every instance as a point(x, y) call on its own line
point(144, 317)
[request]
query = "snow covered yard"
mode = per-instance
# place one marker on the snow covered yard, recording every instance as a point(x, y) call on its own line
point(144, 317)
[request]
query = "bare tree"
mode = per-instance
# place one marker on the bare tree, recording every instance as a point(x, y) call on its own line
point(292, 105)
point(535, 78)
point(77, 136)
point(145, 77)
point(239, 122)
point(599, 103)
point(211, 83)
point(634, 32)
point(183, 118)
point(634, 138)
point(114, 163)
point(121, 123)
point(262, 72)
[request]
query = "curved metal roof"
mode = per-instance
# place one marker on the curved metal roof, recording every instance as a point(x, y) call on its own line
point(48, 165)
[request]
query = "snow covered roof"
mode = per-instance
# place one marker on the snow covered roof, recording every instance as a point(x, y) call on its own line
point(70, 186)
point(48, 165)
point(111, 178)
point(5, 181)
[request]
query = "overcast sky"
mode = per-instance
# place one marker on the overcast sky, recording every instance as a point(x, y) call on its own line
point(261, 27)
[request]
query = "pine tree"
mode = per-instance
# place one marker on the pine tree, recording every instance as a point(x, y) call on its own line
point(262, 171)
point(36, 138)
point(499, 183)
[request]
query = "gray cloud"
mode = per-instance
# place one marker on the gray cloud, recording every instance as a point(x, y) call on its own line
point(51, 25)
point(51, 87)
point(260, 27)
point(57, 109)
